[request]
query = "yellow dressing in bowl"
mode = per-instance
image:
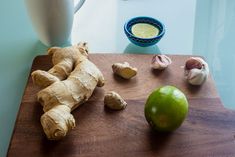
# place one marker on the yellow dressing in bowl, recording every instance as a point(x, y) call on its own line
point(144, 30)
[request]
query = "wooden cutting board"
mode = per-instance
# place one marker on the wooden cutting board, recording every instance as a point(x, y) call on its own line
point(209, 129)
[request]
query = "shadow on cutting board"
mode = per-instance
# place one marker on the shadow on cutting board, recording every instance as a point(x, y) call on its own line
point(158, 140)
point(134, 49)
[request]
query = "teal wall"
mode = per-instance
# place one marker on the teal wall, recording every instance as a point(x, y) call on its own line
point(19, 46)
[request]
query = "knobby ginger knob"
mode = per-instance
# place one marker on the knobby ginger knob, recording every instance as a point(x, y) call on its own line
point(57, 122)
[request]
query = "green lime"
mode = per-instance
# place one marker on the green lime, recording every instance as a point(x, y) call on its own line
point(166, 108)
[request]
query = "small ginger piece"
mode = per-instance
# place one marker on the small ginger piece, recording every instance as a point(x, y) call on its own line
point(124, 70)
point(114, 101)
point(69, 83)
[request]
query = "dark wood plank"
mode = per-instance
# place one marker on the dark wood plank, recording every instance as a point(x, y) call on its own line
point(209, 129)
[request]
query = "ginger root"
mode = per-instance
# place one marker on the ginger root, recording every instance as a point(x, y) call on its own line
point(124, 70)
point(69, 83)
point(114, 101)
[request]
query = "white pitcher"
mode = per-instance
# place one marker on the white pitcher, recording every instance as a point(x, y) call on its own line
point(53, 19)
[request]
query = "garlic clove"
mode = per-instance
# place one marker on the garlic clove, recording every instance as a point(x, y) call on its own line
point(193, 63)
point(196, 70)
point(196, 77)
point(160, 62)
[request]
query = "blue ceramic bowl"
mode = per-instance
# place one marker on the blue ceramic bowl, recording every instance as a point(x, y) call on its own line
point(144, 42)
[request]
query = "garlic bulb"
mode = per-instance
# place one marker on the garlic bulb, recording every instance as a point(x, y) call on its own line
point(160, 62)
point(196, 70)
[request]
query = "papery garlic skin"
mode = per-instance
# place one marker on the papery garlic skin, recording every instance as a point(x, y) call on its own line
point(196, 70)
point(160, 62)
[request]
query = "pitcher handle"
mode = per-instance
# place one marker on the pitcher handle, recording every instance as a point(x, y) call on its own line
point(79, 5)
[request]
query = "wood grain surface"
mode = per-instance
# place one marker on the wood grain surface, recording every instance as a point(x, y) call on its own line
point(209, 129)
